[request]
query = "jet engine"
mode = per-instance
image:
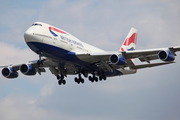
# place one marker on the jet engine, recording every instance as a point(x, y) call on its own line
point(27, 69)
point(166, 55)
point(117, 59)
point(9, 72)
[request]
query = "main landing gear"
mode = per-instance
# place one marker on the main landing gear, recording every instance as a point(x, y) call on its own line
point(79, 80)
point(61, 79)
point(94, 78)
point(100, 74)
point(91, 78)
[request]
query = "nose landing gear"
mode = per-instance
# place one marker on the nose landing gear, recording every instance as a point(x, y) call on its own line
point(40, 61)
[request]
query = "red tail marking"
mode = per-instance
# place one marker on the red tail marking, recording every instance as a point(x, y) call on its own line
point(122, 49)
point(130, 40)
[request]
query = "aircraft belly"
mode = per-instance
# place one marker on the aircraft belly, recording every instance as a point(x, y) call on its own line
point(114, 73)
point(55, 52)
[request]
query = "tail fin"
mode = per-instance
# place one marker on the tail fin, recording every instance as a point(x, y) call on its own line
point(130, 41)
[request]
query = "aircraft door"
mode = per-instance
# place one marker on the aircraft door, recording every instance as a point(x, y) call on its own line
point(71, 46)
point(54, 40)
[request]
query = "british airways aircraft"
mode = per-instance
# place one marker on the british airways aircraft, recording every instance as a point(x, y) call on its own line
point(65, 55)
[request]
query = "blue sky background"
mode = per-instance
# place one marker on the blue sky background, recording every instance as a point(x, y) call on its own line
point(150, 94)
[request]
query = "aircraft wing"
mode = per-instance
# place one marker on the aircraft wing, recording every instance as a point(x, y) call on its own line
point(149, 54)
point(143, 55)
point(34, 64)
point(93, 57)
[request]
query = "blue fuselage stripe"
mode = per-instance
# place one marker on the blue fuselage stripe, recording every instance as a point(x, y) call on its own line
point(56, 52)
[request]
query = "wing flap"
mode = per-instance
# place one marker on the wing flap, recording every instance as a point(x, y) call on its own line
point(150, 65)
point(148, 58)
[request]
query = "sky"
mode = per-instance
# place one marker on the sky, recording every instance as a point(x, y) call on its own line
point(150, 94)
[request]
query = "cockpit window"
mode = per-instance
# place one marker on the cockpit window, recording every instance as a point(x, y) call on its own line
point(36, 24)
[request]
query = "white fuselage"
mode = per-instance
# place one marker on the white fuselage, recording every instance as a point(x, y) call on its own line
point(63, 40)
point(55, 43)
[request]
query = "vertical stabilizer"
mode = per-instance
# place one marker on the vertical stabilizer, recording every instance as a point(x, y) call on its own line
point(130, 41)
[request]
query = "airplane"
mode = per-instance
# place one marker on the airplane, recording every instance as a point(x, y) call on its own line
point(65, 55)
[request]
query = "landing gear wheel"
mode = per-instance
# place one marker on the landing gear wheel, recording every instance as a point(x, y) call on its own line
point(96, 79)
point(59, 82)
point(75, 79)
point(64, 82)
point(40, 62)
point(104, 77)
point(100, 78)
point(78, 81)
point(62, 77)
point(58, 77)
point(82, 81)
point(90, 78)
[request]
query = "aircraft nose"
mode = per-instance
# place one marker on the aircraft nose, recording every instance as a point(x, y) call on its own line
point(28, 35)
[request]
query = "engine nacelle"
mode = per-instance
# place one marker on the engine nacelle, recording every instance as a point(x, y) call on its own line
point(166, 55)
point(27, 69)
point(9, 72)
point(117, 59)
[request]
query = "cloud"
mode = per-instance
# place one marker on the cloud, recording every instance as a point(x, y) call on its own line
point(13, 55)
point(47, 89)
point(20, 108)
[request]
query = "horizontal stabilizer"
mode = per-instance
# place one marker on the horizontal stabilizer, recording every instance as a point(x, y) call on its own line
point(150, 65)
